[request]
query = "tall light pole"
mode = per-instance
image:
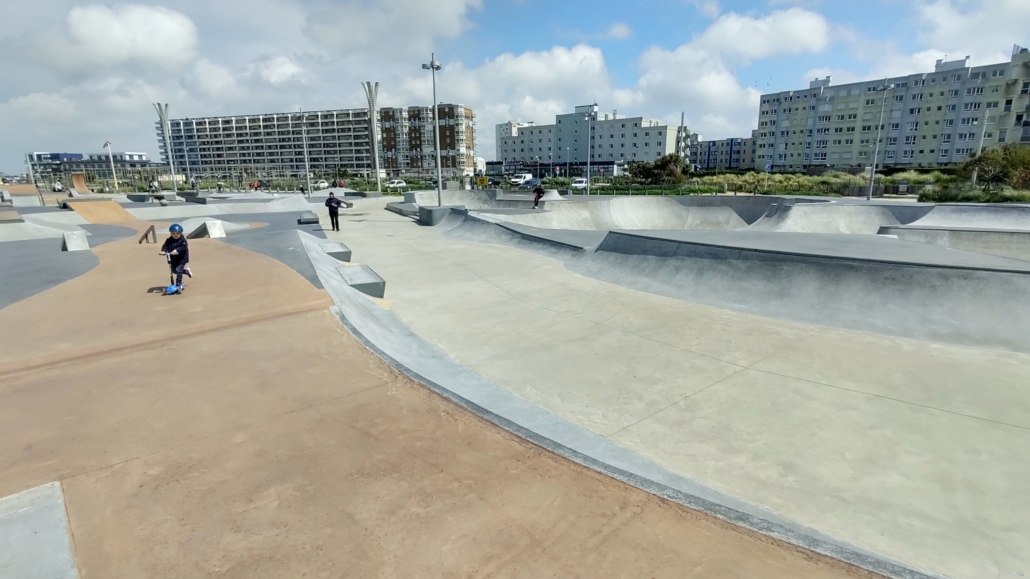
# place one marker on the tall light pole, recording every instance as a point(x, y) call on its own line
point(110, 156)
point(304, 138)
point(590, 144)
point(371, 93)
point(162, 114)
point(983, 134)
point(435, 66)
point(879, 127)
point(567, 174)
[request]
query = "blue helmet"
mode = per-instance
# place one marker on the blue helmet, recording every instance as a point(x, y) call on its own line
point(175, 228)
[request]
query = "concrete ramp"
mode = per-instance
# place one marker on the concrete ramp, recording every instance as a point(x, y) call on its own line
point(628, 213)
point(212, 228)
point(75, 241)
point(101, 211)
point(1013, 243)
point(35, 541)
point(79, 183)
point(980, 216)
point(786, 216)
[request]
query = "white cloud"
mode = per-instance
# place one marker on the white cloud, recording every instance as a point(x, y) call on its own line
point(132, 33)
point(709, 8)
point(213, 79)
point(784, 32)
point(619, 31)
point(984, 29)
point(279, 70)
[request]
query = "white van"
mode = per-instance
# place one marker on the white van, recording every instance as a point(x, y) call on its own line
point(520, 178)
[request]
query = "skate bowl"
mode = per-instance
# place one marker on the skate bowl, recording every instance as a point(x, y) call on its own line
point(788, 216)
point(977, 217)
point(629, 213)
point(1013, 243)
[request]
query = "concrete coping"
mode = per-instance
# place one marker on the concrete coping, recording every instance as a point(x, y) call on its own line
point(385, 334)
point(338, 250)
point(363, 279)
point(307, 218)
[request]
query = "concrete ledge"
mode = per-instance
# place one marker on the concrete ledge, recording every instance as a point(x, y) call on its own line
point(435, 215)
point(75, 241)
point(5, 196)
point(213, 229)
point(366, 194)
point(406, 209)
point(338, 250)
point(308, 218)
point(35, 539)
point(144, 197)
point(363, 279)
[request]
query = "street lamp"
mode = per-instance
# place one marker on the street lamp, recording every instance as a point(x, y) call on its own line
point(983, 134)
point(590, 144)
point(110, 156)
point(879, 127)
point(304, 137)
point(371, 93)
point(567, 174)
point(435, 66)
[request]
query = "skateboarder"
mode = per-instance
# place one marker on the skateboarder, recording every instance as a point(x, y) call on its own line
point(334, 211)
point(178, 249)
point(538, 192)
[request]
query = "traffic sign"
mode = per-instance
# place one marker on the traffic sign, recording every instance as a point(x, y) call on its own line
point(768, 167)
point(482, 181)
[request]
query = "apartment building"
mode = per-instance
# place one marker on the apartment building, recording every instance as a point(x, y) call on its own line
point(59, 166)
point(929, 119)
point(271, 144)
point(606, 139)
point(724, 154)
point(409, 144)
point(688, 144)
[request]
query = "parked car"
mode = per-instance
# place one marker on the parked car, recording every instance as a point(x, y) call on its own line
point(520, 178)
point(530, 184)
point(579, 183)
point(494, 182)
point(396, 184)
point(322, 185)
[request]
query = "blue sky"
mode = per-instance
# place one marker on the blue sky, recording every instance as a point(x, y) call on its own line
point(77, 74)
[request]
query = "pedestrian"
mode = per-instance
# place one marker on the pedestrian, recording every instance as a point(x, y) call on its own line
point(178, 251)
point(538, 192)
point(193, 183)
point(334, 211)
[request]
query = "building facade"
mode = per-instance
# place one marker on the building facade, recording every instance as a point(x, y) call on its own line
point(409, 143)
point(724, 155)
point(271, 144)
point(60, 166)
point(606, 139)
point(929, 119)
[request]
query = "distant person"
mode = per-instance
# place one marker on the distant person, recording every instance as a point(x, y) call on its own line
point(178, 250)
point(193, 183)
point(334, 210)
point(538, 192)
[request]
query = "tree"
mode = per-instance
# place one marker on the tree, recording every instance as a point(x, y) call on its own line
point(1005, 164)
point(670, 169)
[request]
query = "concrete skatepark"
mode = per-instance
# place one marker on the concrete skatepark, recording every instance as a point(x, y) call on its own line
point(717, 385)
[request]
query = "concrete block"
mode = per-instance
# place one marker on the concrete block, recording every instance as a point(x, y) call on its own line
point(75, 241)
point(435, 215)
point(338, 250)
point(410, 197)
point(213, 229)
point(552, 195)
point(363, 279)
point(366, 194)
point(5, 196)
point(73, 193)
point(307, 218)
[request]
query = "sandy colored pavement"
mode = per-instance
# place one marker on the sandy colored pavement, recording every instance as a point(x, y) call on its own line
point(102, 211)
point(916, 450)
point(240, 431)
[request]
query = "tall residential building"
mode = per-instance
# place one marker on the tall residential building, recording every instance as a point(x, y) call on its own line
point(605, 138)
point(929, 119)
point(271, 144)
point(687, 144)
point(409, 142)
point(58, 166)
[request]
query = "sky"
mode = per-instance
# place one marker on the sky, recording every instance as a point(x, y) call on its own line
point(75, 74)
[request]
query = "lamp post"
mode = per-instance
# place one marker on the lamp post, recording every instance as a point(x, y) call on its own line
point(371, 93)
point(983, 134)
point(110, 156)
point(590, 145)
point(567, 174)
point(304, 138)
point(162, 114)
point(879, 127)
point(435, 66)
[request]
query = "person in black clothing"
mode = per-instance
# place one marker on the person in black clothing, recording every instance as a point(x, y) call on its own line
point(538, 192)
point(177, 247)
point(334, 211)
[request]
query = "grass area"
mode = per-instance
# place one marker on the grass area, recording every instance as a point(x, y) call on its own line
point(970, 195)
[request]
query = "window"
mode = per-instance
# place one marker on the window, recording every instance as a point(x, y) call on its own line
point(913, 126)
point(867, 128)
point(823, 119)
point(870, 101)
point(890, 154)
point(997, 73)
point(952, 93)
point(895, 126)
point(971, 106)
point(838, 129)
point(849, 141)
point(952, 108)
point(917, 97)
point(836, 142)
point(840, 117)
point(821, 144)
point(991, 105)
point(949, 122)
point(968, 121)
point(944, 152)
point(974, 90)
point(907, 154)
point(852, 117)
point(818, 156)
point(910, 140)
point(851, 129)
point(1026, 88)
point(899, 98)
point(1002, 133)
point(914, 111)
point(945, 138)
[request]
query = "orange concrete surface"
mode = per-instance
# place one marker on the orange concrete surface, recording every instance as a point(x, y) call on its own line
point(239, 431)
point(102, 211)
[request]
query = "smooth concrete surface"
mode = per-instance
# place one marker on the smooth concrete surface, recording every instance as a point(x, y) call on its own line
point(428, 215)
point(825, 218)
point(363, 279)
point(34, 537)
point(285, 203)
point(1012, 243)
point(307, 218)
point(912, 449)
point(337, 250)
point(628, 213)
point(210, 228)
point(238, 430)
point(982, 216)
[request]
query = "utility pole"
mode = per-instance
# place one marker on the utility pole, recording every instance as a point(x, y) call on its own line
point(372, 93)
point(435, 66)
point(307, 165)
point(983, 133)
point(110, 156)
point(590, 144)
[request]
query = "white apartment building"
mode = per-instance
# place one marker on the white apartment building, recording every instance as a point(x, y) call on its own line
point(409, 142)
point(271, 144)
point(929, 119)
point(604, 138)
